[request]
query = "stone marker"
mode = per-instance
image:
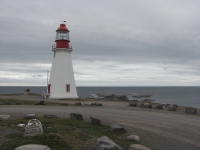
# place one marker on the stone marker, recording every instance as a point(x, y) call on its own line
point(133, 138)
point(95, 121)
point(138, 147)
point(29, 116)
point(78, 104)
point(76, 116)
point(190, 110)
point(50, 116)
point(117, 128)
point(4, 117)
point(104, 143)
point(33, 147)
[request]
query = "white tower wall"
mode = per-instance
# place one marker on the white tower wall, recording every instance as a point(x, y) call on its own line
point(62, 75)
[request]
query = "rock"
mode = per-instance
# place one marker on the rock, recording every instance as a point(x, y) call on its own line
point(76, 116)
point(138, 147)
point(4, 117)
point(104, 143)
point(33, 147)
point(21, 125)
point(117, 128)
point(8, 103)
point(50, 116)
point(97, 104)
point(158, 106)
point(95, 121)
point(78, 104)
point(133, 138)
point(171, 107)
point(41, 102)
point(18, 103)
point(64, 104)
point(1, 103)
point(29, 116)
point(190, 110)
point(133, 103)
point(147, 105)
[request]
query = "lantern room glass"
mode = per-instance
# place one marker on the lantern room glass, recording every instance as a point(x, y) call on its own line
point(62, 36)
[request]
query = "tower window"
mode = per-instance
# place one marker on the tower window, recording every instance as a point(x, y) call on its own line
point(54, 54)
point(67, 87)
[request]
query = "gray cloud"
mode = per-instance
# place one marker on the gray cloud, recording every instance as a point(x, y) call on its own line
point(159, 41)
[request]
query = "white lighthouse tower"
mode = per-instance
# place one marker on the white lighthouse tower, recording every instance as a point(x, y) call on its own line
point(62, 83)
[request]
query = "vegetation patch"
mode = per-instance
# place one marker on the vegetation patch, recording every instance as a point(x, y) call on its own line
point(62, 134)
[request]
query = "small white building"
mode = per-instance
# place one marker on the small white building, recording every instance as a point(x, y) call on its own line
point(62, 82)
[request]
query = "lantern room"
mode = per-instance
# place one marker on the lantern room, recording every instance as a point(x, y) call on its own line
point(62, 37)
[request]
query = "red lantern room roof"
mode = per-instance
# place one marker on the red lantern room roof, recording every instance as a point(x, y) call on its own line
point(62, 27)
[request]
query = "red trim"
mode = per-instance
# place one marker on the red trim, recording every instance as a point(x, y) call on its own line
point(49, 87)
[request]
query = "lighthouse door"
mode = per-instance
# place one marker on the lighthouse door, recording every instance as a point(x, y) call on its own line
point(49, 88)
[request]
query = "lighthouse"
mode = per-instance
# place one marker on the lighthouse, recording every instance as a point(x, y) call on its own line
point(62, 82)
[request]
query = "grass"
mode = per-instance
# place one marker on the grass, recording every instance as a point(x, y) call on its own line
point(62, 134)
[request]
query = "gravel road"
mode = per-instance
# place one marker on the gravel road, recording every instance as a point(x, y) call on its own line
point(157, 129)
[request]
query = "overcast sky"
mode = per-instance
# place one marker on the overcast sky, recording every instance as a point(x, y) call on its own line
point(115, 42)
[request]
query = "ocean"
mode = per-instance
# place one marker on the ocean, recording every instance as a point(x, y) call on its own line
point(182, 96)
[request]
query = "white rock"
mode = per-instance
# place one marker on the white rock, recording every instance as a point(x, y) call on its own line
point(133, 138)
point(33, 147)
point(4, 117)
point(104, 143)
point(138, 147)
point(21, 125)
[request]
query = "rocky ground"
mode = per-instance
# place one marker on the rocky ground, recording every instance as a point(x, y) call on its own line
point(157, 129)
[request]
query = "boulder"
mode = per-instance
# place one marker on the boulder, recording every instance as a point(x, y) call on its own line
point(117, 128)
point(29, 116)
point(41, 102)
point(18, 103)
point(97, 104)
point(104, 143)
point(158, 106)
point(95, 121)
point(76, 116)
point(133, 103)
point(147, 105)
point(4, 117)
point(133, 138)
point(78, 104)
point(1, 103)
point(64, 104)
point(138, 147)
point(33, 147)
point(190, 110)
point(50, 116)
point(172, 107)
point(8, 103)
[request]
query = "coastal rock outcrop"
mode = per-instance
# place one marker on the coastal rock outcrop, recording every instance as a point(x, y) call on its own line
point(104, 143)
